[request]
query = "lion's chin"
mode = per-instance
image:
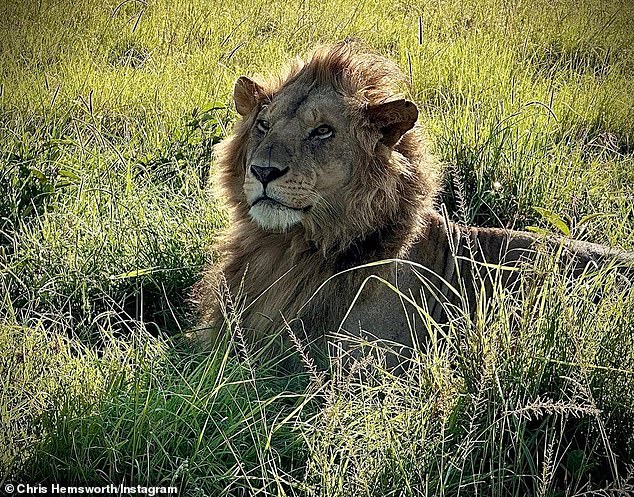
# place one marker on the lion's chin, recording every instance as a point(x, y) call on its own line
point(274, 217)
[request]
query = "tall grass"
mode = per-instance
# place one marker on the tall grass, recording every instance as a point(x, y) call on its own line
point(109, 112)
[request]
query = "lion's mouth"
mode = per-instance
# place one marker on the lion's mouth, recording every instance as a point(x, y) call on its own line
point(273, 215)
point(270, 202)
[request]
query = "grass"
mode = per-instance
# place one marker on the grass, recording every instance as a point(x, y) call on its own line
point(108, 115)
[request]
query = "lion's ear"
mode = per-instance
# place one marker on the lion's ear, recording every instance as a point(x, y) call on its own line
point(246, 95)
point(393, 119)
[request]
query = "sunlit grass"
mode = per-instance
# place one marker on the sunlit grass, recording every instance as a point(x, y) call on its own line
point(109, 112)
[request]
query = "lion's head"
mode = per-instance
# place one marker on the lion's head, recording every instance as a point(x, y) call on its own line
point(329, 148)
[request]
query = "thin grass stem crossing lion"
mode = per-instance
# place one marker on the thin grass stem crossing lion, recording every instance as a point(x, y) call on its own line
point(331, 191)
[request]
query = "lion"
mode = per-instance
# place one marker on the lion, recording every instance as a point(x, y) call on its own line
point(326, 175)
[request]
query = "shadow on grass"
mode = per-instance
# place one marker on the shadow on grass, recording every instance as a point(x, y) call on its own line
point(158, 412)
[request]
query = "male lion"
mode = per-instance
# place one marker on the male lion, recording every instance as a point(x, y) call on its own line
point(326, 171)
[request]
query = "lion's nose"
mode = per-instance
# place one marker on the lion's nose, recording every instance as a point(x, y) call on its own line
point(267, 174)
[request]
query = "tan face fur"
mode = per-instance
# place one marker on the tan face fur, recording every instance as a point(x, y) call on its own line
point(306, 143)
point(300, 156)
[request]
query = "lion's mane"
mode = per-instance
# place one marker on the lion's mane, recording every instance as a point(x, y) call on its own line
point(270, 275)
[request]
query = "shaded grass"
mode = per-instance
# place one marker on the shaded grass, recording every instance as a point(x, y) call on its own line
point(94, 230)
point(143, 412)
point(533, 397)
point(499, 408)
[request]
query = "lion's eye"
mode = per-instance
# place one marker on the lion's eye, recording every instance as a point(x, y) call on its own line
point(322, 132)
point(263, 125)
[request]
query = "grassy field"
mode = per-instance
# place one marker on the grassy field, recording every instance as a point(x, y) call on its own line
point(109, 112)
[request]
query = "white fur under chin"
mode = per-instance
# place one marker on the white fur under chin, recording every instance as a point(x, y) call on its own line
point(274, 218)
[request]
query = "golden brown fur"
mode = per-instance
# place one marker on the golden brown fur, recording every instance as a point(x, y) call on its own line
point(356, 190)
